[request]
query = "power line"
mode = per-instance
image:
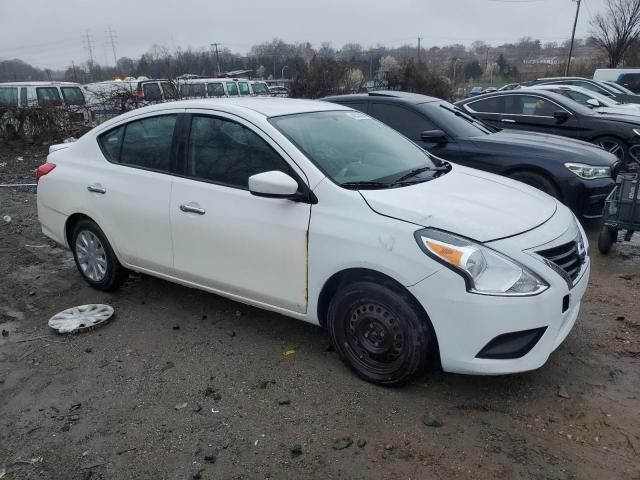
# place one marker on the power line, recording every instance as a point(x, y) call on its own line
point(215, 45)
point(113, 38)
point(89, 45)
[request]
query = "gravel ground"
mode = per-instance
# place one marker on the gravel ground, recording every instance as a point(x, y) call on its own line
point(184, 384)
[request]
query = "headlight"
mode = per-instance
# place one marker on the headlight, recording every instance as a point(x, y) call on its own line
point(485, 271)
point(589, 171)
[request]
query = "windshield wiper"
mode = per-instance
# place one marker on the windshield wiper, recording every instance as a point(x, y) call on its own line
point(417, 171)
point(365, 184)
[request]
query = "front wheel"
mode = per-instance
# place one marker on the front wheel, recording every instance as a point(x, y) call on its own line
point(95, 258)
point(379, 332)
point(536, 180)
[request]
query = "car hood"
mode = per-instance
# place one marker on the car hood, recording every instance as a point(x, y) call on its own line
point(468, 202)
point(542, 145)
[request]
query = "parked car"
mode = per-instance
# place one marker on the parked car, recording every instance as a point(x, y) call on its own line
point(602, 88)
point(320, 213)
point(577, 173)
point(65, 95)
point(475, 91)
point(278, 91)
point(591, 99)
point(510, 86)
point(113, 97)
point(548, 112)
point(627, 77)
point(617, 88)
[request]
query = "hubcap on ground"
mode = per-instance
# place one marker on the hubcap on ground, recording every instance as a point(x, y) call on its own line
point(374, 336)
point(91, 255)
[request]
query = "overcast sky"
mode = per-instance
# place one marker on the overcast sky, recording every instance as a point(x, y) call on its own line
point(51, 34)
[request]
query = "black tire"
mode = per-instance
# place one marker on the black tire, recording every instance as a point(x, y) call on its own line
point(606, 239)
point(360, 319)
point(110, 275)
point(536, 180)
point(614, 145)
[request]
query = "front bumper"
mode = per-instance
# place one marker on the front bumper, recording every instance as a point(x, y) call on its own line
point(586, 197)
point(465, 323)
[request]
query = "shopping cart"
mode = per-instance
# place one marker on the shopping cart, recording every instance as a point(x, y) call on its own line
point(621, 211)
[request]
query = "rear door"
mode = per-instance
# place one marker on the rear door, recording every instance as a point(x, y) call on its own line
point(224, 237)
point(132, 190)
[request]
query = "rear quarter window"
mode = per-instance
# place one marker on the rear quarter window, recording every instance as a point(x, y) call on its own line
point(48, 96)
point(110, 143)
point(72, 95)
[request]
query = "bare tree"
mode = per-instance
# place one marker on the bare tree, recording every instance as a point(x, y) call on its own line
point(616, 29)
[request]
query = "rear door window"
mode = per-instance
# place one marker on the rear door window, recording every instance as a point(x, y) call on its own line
point(147, 143)
point(232, 89)
point(152, 92)
point(48, 96)
point(409, 123)
point(215, 89)
point(24, 101)
point(72, 95)
point(9, 96)
point(197, 90)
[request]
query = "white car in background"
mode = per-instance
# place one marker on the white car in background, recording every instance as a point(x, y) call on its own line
point(323, 214)
point(591, 99)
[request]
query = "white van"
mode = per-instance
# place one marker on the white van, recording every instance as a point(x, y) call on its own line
point(627, 77)
point(113, 97)
point(215, 88)
point(46, 94)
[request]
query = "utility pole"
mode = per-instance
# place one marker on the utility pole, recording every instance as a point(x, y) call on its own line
point(419, 40)
point(113, 38)
point(215, 45)
point(573, 36)
point(73, 65)
point(89, 45)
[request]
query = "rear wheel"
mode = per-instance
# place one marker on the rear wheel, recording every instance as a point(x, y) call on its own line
point(95, 258)
point(536, 180)
point(613, 145)
point(606, 239)
point(379, 332)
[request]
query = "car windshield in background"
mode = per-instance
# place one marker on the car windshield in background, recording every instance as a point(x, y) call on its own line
point(458, 123)
point(356, 151)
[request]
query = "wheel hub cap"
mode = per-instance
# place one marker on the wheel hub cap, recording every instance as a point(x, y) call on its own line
point(91, 255)
point(375, 334)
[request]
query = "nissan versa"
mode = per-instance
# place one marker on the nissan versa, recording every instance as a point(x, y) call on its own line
point(321, 213)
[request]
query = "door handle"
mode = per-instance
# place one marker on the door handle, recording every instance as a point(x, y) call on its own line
point(97, 188)
point(192, 208)
point(507, 120)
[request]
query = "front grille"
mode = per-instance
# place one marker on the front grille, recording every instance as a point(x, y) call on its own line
point(566, 257)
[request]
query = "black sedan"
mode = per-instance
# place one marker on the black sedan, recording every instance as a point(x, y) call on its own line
point(547, 112)
point(578, 174)
point(603, 88)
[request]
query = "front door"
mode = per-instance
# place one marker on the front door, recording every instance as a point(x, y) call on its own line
point(224, 237)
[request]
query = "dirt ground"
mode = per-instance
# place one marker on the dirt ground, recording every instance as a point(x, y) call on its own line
point(184, 384)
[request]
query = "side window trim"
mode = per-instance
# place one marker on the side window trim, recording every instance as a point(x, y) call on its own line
point(468, 106)
point(174, 149)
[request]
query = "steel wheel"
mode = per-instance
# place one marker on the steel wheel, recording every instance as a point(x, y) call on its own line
point(375, 338)
point(92, 258)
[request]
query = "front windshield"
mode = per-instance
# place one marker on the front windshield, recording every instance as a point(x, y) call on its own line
point(454, 120)
point(608, 101)
point(351, 147)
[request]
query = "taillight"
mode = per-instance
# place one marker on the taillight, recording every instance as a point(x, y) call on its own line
point(93, 115)
point(43, 169)
point(139, 94)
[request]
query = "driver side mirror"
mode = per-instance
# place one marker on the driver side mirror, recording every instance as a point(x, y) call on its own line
point(592, 102)
point(273, 184)
point(434, 136)
point(561, 115)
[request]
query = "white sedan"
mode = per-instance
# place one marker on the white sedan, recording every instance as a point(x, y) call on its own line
point(323, 214)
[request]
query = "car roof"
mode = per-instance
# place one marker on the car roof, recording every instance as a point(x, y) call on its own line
point(404, 97)
point(522, 91)
point(265, 106)
point(38, 84)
